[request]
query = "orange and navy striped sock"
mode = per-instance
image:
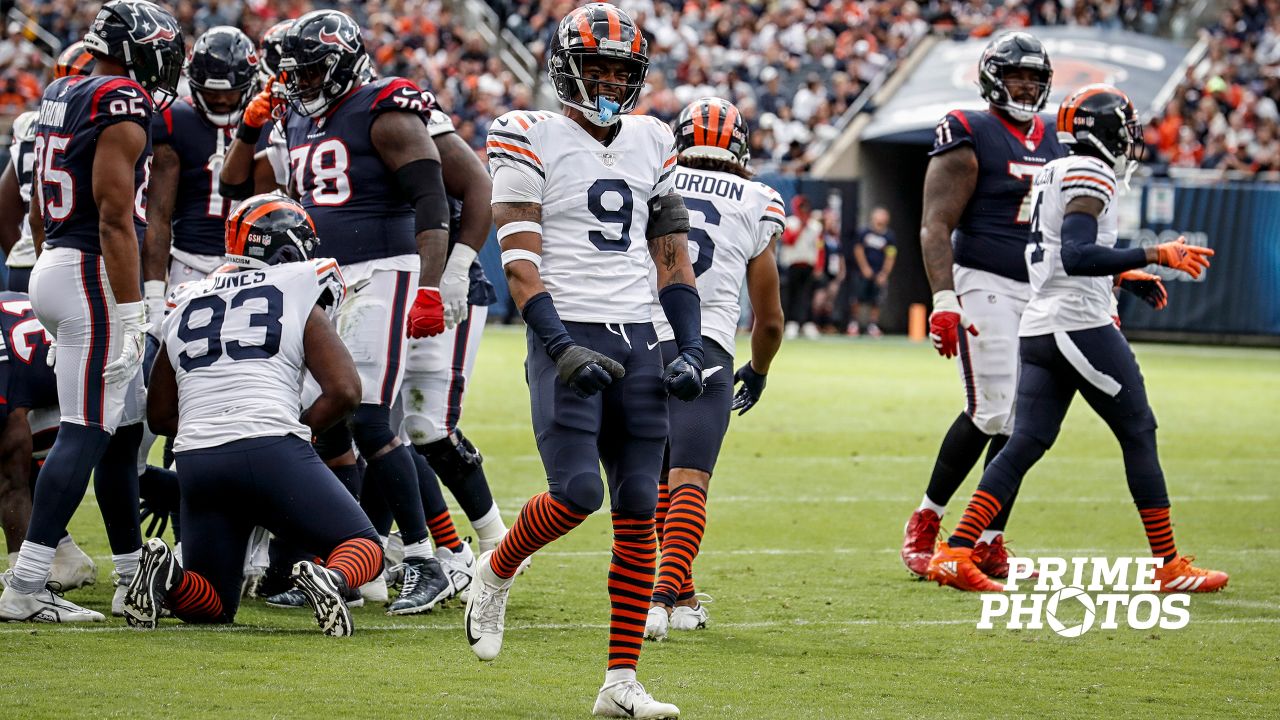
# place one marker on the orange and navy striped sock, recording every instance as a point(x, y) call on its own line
point(681, 538)
point(358, 561)
point(1159, 532)
point(983, 507)
point(194, 600)
point(635, 552)
point(444, 533)
point(541, 520)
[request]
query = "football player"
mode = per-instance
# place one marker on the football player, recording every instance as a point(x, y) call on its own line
point(93, 155)
point(1070, 344)
point(584, 203)
point(185, 211)
point(267, 168)
point(15, 184)
point(364, 166)
point(244, 457)
point(732, 243)
point(977, 203)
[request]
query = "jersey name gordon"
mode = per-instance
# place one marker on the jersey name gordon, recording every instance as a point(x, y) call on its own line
point(718, 186)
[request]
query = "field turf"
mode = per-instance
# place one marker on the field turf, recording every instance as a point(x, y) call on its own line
point(814, 615)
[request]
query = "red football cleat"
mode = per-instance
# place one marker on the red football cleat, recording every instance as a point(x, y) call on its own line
point(919, 541)
point(955, 567)
point(992, 558)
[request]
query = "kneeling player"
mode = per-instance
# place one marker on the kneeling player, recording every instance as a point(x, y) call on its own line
point(1070, 344)
point(228, 384)
point(740, 222)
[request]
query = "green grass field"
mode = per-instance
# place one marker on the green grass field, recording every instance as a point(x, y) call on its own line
point(814, 615)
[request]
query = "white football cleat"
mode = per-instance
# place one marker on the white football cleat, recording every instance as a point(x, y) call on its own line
point(43, 606)
point(459, 567)
point(71, 568)
point(375, 591)
point(655, 625)
point(485, 617)
point(628, 699)
point(117, 598)
point(691, 618)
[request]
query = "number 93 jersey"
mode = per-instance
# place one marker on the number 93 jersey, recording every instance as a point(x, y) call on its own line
point(235, 342)
point(73, 113)
point(595, 206)
point(1062, 302)
point(731, 221)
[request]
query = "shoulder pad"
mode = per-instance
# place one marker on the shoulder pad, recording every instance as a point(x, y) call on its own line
point(397, 93)
point(120, 97)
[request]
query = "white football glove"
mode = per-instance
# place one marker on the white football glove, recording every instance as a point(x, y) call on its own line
point(455, 284)
point(133, 328)
point(153, 295)
point(51, 358)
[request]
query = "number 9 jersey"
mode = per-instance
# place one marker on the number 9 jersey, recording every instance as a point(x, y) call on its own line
point(235, 341)
point(595, 206)
point(73, 113)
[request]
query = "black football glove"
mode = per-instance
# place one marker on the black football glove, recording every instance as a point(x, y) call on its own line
point(1146, 286)
point(751, 390)
point(683, 377)
point(587, 371)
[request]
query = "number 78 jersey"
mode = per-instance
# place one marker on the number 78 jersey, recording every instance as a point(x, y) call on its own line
point(235, 342)
point(595, 206)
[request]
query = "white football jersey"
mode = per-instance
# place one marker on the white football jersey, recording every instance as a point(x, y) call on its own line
point(22, 154)
point(595, 206)
point(235, 342)
point(1062, 302)
point(731, 221)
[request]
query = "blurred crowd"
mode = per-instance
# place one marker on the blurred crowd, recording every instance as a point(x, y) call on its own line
point(1223, 115)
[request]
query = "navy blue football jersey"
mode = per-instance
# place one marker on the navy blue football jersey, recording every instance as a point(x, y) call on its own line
point(358, 208)
point(24, 165)
point(73, 113)
point(199, 212)
point(26, 380)
point(994, 229)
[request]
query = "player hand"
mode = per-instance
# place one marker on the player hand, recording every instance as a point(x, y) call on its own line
point(133, 330)
point(455, 284)
point(586, 371)
point(153, 296)
point(426, 316)
point(1146, 286)
point(751, 390)
point(262, 109)
point(945, 322)
point(1190, 259)
point(683, 377)
point(51, 358)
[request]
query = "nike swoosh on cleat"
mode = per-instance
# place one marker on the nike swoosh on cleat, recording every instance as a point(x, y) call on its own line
point(708, 372)
point(630, 711)
point(652, 345)
point(472, 639)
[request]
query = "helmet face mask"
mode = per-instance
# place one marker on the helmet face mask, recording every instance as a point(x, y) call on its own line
point(1005, 57)
point(322, 59)
point(592, 45)
point(267, 230)
point(146, 40)
point(223, 72)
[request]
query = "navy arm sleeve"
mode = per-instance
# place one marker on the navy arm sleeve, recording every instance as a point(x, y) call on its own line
point(1081, 255)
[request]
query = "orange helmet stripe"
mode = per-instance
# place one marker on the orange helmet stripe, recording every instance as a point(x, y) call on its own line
point(242, 232)
point(584, 29)
point(699, 126)
point(726, 133)
point(713, 123)
point(615, 24)
point(1067, 113)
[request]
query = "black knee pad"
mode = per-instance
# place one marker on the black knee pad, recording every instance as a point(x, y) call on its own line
point(334, 442)
point(636, 497)
point(583, 494)
point(371, 428)
point(452, 460)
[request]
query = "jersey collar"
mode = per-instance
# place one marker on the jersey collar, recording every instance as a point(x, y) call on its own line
point(1030, 140)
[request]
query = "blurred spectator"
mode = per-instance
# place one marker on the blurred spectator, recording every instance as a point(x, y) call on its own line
point(798, 257)
point(831, 274)
point(872, 258)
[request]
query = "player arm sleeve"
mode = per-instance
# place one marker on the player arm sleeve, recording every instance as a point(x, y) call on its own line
point(543, 319)
point(1081, 255)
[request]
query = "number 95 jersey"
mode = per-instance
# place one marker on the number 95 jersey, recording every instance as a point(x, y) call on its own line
point(595, 206)
point(235, 342)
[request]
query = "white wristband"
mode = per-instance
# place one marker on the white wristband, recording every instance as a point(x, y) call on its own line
point(512, 228)
point(510, 256)
point(460, 259)
point(945, 301)
point(153, 289)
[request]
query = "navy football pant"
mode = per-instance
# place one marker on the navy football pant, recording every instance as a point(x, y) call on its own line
point(278, 483)
point(1099, 365)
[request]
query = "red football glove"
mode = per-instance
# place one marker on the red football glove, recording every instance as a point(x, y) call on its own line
point(945, 321)
point(426, 317)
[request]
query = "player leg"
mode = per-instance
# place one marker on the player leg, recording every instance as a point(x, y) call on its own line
point(566, 428)
point(1045, 389)
point(371, 321)
point(633, 438)
point(696, 435)
point(1113, 386)
point(82, 323)
point(988, 368)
